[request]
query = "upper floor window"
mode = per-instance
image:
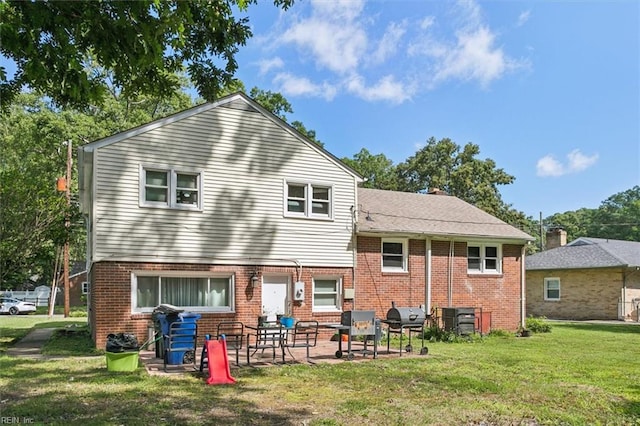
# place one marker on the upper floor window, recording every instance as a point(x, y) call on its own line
point(202, 293)
point(483, 259)
point(552, 289)
point(394, 255)
point(170, 188)
point(326, 294)
point(308, 200)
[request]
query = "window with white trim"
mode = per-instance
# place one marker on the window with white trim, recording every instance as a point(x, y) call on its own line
point(308, 200)
point(394, 255)
point(85, 287)
point(552, 288)
point(483, 259)
point(326, 294)
point(171, 188)
point(212, 293)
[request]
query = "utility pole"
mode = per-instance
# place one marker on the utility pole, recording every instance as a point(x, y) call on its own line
point(67, 226)
point(541, 233)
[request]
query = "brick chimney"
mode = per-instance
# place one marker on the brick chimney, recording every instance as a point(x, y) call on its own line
point(556, 237)
point(436, 191)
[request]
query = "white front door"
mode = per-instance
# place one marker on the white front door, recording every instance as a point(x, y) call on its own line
point(274, 295)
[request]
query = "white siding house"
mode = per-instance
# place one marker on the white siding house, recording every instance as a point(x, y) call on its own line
point(226, 186)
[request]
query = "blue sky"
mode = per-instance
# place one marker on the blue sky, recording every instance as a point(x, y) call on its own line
point(549, 90)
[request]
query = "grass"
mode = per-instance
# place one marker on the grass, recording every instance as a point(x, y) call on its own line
point(14, 328)
point(578, 374)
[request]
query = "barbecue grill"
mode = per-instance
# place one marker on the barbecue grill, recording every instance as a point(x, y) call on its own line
point(358, 323)
point(410, 319)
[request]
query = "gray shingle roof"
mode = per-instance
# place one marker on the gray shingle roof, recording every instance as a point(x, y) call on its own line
point(388, 212)
point(587, 253)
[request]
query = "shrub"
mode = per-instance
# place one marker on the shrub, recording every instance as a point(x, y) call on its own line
point(538, 324)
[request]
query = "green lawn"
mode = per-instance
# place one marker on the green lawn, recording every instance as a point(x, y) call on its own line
point(579, 374)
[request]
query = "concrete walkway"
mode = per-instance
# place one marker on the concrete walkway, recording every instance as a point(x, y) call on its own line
point(31, 345)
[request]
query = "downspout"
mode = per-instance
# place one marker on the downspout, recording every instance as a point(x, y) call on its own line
point(450, 275)
point(427, 274)
point(523, 300)
point(354, 250)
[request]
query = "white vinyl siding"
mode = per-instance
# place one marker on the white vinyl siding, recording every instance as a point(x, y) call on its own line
point(245, 158)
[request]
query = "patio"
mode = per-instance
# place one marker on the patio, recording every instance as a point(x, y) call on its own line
point(324, 352)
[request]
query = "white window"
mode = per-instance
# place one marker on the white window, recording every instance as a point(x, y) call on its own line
point(164, 187)
point(552, 289)
point(326, 294)
point(308, 200)
point(211, 293)
point(85, 287)
point(483, 259)
point(394, 255)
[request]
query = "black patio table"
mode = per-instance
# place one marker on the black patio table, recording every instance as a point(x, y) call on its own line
point(266, 336)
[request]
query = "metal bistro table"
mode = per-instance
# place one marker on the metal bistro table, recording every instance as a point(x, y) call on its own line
point(266, 336)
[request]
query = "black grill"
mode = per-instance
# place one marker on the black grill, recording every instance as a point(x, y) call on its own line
point(397, 317)
point(410, 319)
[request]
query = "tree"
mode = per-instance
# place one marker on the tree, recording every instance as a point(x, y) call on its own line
point(378, 171)
point(33, 155)
point(277, 104)
point(57, 46)
point(445, 166)
point(618, 217)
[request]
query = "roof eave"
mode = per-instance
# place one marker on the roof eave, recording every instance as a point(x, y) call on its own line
point(444, 235)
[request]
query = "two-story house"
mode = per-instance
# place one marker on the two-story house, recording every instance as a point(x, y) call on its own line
point(225, 210)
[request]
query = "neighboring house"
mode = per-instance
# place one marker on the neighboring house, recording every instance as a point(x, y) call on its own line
point(78, 284)
point(227, 211)
point(589, 278)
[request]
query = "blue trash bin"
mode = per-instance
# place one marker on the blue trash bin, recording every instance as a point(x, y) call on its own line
point(186, 329)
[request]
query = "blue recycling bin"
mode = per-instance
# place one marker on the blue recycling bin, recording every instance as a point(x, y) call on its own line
point(161, 322)
point(181, 333)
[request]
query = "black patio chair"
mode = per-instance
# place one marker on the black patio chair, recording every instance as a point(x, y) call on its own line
point(264, 337)
point(233, 332)
point(303, 335)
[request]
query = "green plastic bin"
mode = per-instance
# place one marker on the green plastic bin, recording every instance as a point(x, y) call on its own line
point(122, 361)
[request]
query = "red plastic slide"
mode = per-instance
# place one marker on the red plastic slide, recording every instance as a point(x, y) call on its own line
point(218, 363)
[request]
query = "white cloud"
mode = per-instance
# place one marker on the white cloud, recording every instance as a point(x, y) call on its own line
point(471, 55)
point(576, 162)
point(336, 40)
point(473, 58)
point(267, 65)
point(549, 166)
point(427, 22)
point(387, 89)
point(390, 41)
point(523, 18)
point(301, 86)
point(579, 162)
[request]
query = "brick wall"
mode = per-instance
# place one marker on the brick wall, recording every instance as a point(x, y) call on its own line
point(498, 294)
point(110, 310)
point(584, 294)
